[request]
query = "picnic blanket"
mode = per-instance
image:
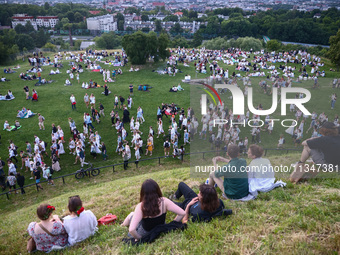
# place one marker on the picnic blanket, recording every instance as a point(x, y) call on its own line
point(4, 98)
point(12, 128)
point(255, 194)
point(26, 116)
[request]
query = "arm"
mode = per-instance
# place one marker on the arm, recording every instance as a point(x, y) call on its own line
point(187, 209)
point(172, 207)
point(137, 217)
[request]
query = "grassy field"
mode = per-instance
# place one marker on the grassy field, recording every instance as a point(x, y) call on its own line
point(299, 219)
point(55, 106)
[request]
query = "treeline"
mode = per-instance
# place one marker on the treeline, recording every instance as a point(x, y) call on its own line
point(284, 25)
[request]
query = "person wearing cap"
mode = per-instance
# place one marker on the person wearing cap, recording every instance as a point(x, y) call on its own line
point(323, 150)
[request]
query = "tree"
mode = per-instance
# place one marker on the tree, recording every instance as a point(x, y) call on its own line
point(49, 46)
point(28, 27)
point(120, 21)
point(78, 17)
point(158, 25)
point(108, 41)
point(146, 29)
point(192, 14)
point(145, 17)
point(129, 29)
point(334, 50)
point(24, 41)
point(163, 42)
point(135, 47)
point(197, 40)
point(140, 46)
point(273, 45)
point(20, 29)
point(176, 29)
point(173, 18)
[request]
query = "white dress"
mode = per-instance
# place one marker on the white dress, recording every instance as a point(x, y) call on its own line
point(61, 149)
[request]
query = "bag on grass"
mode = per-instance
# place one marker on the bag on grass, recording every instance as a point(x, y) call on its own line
point(108, 219)
point(31, 245)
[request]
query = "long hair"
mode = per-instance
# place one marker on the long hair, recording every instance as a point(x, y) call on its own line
point(209, 201)
point(150, 195)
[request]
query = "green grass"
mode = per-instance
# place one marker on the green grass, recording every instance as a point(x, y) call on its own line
point(55, 106)
point(299, 219)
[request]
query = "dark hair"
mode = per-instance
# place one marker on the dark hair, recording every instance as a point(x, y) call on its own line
point(149, 197)
point(233, 150)
point(329, 131)
point(209, 201)
point(43, 213)
point(74, 204)
point(256, 150)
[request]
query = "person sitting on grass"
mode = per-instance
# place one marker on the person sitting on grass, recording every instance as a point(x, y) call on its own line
point(151, 211)
point(235, 184)
point(49, 233)
point(323, 150)
point(202, 206)
point(80, 224)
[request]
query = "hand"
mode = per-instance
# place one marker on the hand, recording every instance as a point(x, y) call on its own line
point(193, 201)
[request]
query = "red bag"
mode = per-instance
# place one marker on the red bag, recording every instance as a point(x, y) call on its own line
point(109, 219)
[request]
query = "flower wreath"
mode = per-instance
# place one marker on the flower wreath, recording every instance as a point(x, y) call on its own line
point(80, 210)
point(50, 208)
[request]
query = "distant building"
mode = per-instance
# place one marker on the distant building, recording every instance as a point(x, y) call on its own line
point(47, 21)
point(40, 21)
point(105, 23)
point(23, 19)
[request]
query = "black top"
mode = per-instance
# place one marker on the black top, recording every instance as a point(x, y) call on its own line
point(126, 116)
point(37, 174)
point(329, 145)
point(200, 215)
point(149, 223)
point(21, 180)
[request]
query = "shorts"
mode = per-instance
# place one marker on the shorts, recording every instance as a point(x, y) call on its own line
point(116, 103)
point(37, 181)
point(317, 156)
point(140, 230)
point(49, 178)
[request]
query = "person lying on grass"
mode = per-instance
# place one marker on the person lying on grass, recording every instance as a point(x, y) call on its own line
point(202, 206)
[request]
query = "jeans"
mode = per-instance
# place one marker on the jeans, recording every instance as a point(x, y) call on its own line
point(333, 103)
point(74, 106)
point(22, 190)
point(126, 164)
point(90, 125)
point(187, 192)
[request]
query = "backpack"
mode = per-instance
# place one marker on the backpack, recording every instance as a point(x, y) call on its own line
point(51, 170)
point(166, 145)
point(43, 118)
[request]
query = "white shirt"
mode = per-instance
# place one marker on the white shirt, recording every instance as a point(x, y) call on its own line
point(261, 174)
point(80, 228)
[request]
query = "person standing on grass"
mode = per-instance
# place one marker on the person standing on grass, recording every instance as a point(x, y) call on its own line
point(333, 100)
point(39, 76)
point(11, 180)
point(86, 100)
point(166, 146)
point(21, 182)
point(131, 89)
point(101, 110)
point(37, 177)
point(27, 91)
point(104, 152)
point(73, 102)
point(41, 121)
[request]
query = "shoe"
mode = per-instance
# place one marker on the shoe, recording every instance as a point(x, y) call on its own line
point(31, 178)
point(52, 184)
point(173, 197)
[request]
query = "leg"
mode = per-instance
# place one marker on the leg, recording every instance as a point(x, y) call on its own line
point(213, 179)
point(185, 190)
point(127, 220)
